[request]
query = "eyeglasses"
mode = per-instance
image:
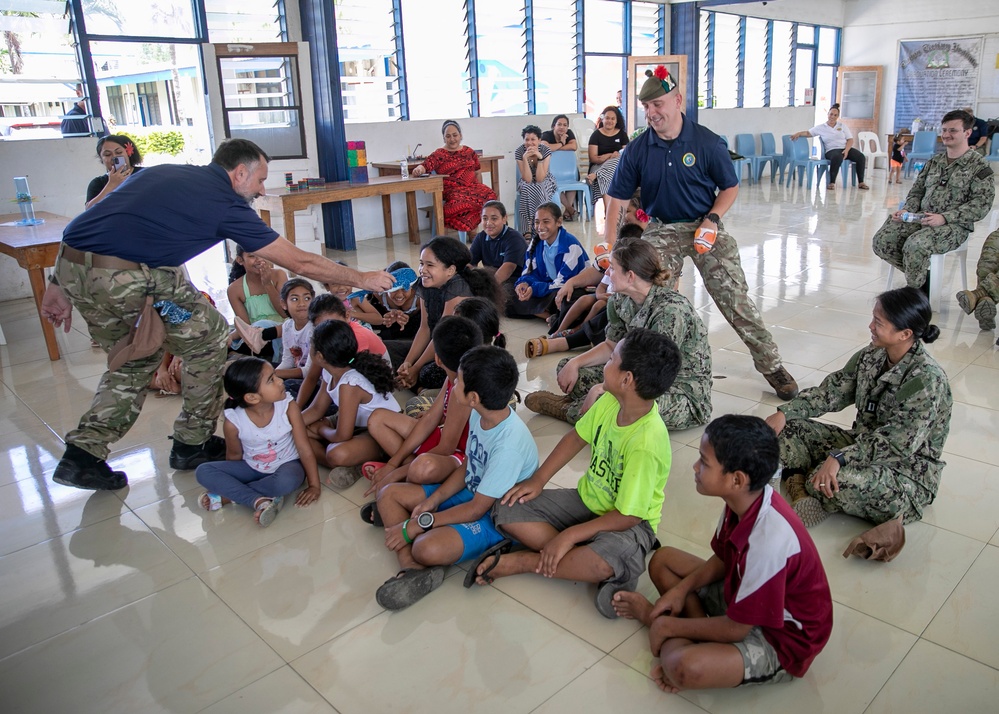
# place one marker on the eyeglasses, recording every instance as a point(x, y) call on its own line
point(953, 131)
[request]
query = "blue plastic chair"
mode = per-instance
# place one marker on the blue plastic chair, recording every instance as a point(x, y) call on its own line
point(993, 154)
point(924, 146)
point(739, 163)
point(846, 167)
point(786, 158)
point(768, 152)
point(803, 163)
point(566, 172)
point(745, 144)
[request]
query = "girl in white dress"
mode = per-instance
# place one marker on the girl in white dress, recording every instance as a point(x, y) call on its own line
point(267, 449)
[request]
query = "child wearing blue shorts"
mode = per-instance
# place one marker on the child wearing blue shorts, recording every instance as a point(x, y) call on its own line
point(452, 521)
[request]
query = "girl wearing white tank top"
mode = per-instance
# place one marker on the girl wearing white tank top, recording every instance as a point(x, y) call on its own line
point(267, 448)
point(358, 383)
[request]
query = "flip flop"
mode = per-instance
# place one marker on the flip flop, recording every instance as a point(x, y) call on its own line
point(404, 279)
point(210, 501)
point(605, 599)
point(408, 586)
point(500, 549)
point(370, 515)
point(369, 467)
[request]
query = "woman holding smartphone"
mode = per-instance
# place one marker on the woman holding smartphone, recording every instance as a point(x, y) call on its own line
point(121, 159)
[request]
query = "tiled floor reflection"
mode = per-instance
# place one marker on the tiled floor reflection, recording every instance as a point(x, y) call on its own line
point(139, 601)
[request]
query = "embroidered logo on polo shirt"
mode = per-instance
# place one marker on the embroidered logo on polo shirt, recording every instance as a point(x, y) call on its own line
point(688, 159)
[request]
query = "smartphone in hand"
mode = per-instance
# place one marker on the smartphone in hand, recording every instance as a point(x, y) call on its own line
point(120, 163)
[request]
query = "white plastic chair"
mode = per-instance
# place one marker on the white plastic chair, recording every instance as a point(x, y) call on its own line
point(937, 271)
point(870, 147)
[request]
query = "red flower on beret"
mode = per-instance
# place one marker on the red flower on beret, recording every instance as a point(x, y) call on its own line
point(642, 216)
point(661, 72)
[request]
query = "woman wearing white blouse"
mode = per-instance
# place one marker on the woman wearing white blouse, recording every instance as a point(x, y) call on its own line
point(838, 141)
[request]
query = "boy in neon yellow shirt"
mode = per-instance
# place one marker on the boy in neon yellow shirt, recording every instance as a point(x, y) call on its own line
point(601, 531)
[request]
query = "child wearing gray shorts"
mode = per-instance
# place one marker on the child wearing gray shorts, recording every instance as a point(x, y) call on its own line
point(601, 531)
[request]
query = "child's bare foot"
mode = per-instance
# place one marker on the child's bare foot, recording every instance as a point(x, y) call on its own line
point(658, 675)
point(503, 565)
point(632, 606)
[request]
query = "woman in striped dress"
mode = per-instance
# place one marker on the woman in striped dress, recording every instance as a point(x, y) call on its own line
point(535, 184)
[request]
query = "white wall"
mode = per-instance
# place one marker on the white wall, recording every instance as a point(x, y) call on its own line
point(872, 31)
point(58, 172)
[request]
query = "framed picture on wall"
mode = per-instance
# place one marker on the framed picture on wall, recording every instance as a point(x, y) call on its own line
point(677, 66)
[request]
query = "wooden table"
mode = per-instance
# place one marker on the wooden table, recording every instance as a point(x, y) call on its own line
point(384, 186)
point(35, 248)
point(489, 164)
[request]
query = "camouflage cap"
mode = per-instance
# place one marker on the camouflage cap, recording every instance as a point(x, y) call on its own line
point(659, 82)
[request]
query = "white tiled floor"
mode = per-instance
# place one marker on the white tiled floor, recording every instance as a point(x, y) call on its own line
point(138, 601)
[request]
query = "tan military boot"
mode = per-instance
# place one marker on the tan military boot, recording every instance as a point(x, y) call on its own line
point(967, 299)
point(549, 404)
point(808, 508)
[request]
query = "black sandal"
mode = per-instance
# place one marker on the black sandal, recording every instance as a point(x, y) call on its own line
point(371, 516)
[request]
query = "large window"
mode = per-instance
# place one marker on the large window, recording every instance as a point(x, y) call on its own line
point(502, 58)
point(437, 78)
point(261, 100)
point(752, 62)
point(369, 72)
point(555, 76)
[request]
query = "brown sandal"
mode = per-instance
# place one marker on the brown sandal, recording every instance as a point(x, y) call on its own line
point(536, 347)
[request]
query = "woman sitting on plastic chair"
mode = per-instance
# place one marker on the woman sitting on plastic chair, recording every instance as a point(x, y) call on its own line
point(838, 140)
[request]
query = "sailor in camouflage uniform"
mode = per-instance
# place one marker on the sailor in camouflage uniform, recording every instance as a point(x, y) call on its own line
point(954, 189)
point(128, 248)
point(982, 300)
point(636, 273)
point(889, 463)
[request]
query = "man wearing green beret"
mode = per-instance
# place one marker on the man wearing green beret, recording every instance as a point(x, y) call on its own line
point(688, 183)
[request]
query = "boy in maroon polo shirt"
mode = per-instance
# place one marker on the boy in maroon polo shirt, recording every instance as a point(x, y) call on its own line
point(763, 592)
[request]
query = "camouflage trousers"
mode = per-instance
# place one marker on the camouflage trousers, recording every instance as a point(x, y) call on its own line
point(988, 266)
point(876, 492)
point(678, 410)
point(721, 270)
point(110, 301)
point(908, 246)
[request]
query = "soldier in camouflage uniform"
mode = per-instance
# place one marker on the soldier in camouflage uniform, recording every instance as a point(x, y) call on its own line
point(127, 249)
point(636, 273)
point(982, 300)
point(688, 183)
point(889, 463)
point(954, 189)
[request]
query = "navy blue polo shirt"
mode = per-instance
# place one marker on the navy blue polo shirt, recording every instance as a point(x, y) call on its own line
point(679, 179)
point(508, 247)
point(165, 215)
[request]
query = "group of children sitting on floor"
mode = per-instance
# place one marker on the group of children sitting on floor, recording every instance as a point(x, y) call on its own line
point(463, 482)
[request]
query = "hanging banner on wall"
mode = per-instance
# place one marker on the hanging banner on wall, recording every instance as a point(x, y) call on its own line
point(934, 77)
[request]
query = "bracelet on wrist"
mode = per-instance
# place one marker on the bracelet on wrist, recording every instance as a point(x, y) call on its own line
point(405, 533)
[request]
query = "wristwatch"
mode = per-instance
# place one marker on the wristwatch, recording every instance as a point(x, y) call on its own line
point(714, 218)
point(839, 456)
point(425, 520)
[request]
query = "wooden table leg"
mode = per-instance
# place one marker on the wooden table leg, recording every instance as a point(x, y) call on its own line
point(494, 176)
point(265, 216)
point(387, 216)
point(36, 276)
point(413, 220)
point(289, 226)
point(439, 211)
